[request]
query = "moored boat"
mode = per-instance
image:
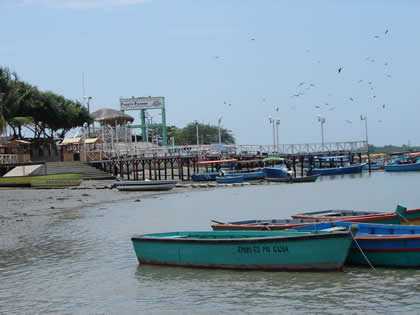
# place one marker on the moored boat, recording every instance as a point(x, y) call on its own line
point(212, 169)
point(400, 216)
point(145, 185)
point(402, 167)
point(355, 168)
point(246, 250)
point(229, 179)
point(55, 183)
point(304, 179)
point(204, 176)
point(25, 181)
point(382, 244)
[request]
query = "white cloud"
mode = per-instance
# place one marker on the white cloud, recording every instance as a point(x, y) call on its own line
point(82, 4)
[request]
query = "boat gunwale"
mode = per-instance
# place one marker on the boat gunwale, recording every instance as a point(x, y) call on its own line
point(309, 236)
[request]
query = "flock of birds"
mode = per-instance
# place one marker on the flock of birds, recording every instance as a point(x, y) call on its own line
point(303, 87)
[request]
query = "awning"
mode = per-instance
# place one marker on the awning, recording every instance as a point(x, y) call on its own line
point(71, 141)
point(92, 140)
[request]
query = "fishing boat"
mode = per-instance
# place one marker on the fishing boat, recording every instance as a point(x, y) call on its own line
point(25, 181)
point(403, 167)
point(400, 216)
point(380, 244)
point(145, 185)
point(355, 168)
point(246, 250)
point(55, 183)
point(278, 168)
point(304, 179)
point(397, 217)
point(212, 169)
point(247, 175)
point(229, 179)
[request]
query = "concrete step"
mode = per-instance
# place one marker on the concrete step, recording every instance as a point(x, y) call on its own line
point(87, 171)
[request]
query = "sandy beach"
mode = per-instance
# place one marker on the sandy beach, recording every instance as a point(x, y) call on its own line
point(27, 212)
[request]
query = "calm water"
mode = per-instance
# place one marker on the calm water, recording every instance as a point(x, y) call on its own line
point(85, 263)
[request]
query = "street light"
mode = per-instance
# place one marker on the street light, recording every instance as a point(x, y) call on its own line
point(196, 128)
point(85, 125)
point(272, 121)
point(322, 121)
point(277, 131)
point(219, 119)
point(364, 117)
point(88, 98)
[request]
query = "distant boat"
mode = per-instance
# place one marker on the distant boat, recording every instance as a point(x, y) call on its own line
point(55, 183)
point(204, 176)
point(145, 185)
point(400, 216)
point(355, 168)
point(383, 244)
point(25, 181)
point(229, 179)
point(247, 175)
point(304, 179)
point(402, 167)
point(215, 167)
point(250, 250)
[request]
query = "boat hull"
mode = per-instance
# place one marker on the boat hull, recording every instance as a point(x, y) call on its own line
point(382, 244)
point(55, 183)
point(402, 167)
point(145, 185)
point(305, 179)
point(275, 172)
point(229, 179)
point(285, 251)
point(198, 177)
point(25, 181)
point(336, 170)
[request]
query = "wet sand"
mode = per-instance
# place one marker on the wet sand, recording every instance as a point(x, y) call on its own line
point(26, 212)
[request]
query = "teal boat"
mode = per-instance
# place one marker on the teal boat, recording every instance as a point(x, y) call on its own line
point(246, 250)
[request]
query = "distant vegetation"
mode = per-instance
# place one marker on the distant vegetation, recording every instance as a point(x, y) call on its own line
point(392, 149)
point(46, 114)
point(207, 134)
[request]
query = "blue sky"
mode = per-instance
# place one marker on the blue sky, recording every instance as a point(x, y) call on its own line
point(255, 55)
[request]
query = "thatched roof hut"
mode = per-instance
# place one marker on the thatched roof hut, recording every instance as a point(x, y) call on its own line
point(108, 116)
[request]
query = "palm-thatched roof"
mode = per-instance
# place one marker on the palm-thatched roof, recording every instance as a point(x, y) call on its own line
point(108, 116)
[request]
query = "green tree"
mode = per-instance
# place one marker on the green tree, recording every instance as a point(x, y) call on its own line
point(207, 134)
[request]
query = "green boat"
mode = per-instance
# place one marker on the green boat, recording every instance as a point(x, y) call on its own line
point(246, 250)
point(25, 181)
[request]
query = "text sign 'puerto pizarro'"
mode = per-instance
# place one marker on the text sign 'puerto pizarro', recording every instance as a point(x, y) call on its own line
point(142, 103)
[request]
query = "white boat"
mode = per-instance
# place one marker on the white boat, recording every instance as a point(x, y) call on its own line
point(145, 185)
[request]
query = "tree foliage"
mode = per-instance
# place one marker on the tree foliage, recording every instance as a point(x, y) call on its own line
point(207, 134)
point(46, 114)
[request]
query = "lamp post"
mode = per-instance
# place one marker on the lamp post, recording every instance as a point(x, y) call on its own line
point(219, 120)
point(364, 117)
point(88, 98)
point(85, 126)
point(277, 132)
point(196, 128)
point(272, 121)
point(322, 121)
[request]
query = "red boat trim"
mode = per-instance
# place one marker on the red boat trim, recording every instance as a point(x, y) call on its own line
point(387, 249)
point(402, 237)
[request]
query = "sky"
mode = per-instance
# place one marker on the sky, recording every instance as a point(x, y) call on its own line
point(241, 59)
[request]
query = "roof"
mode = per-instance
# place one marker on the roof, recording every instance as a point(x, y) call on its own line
point(217, 161)
point(92, 140)
point(274, 159)
point(108, 115)
point(71, 141)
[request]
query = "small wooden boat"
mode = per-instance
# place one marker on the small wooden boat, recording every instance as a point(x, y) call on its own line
point(402, 167)
point(383, 244)
point(247, 250)
point(204, 176)
point(400, 216)
point(356, 168)
point(396, 217)
point(229, 179)
point(25, 181)
point(55, 183)
point(304, 179)
point(145, 185)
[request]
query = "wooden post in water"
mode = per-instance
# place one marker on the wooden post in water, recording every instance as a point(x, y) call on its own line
point(166, 169)
point(302, 158)
point(143, 171)
point(158, 164)
point(172, 168)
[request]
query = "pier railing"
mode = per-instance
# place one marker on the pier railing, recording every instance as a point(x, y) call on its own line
point(123, 150)
point(8, 158)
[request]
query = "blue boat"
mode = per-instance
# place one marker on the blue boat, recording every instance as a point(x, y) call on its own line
point(381, 244)
point(356, 168)
point(279, 171)
point(248, 175)
point(204, 176)
point(403, 167)
point(229, 179)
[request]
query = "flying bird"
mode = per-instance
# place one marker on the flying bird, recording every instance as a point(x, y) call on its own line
point(297, 95)
point(277, 109)
point(386, 32)
point(339, 69)
point(317, 107)
point(351, 99)
point(374, 96)
point(300, 84)
point(383, 106)
point(332, 108)
point(348, 121)
point(360, 81)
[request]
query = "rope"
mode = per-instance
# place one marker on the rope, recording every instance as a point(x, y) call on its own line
point(402, 217)
point(352, 235)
